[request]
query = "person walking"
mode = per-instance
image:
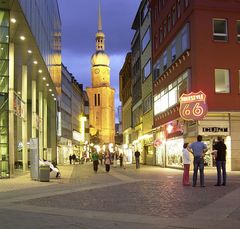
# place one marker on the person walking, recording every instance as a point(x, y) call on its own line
point(121, 159)
point(70, 159)
point(95, 160)
point(74, 158)
point(107, 161)
point(220, 153)
point(186, 165)
point(198, 149)
point(124, 160)
point(137, 157)
point(100, 156)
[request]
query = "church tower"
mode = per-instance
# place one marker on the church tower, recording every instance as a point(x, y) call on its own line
point(101, 95)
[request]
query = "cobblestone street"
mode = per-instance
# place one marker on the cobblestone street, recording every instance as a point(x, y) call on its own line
point(150, 197)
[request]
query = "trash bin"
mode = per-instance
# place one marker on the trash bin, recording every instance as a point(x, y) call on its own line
point(44, 173)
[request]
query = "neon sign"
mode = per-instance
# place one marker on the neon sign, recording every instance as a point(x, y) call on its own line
point(193, 106)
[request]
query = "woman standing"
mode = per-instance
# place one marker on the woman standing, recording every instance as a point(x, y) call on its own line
point(186, 164)
point(107, 160)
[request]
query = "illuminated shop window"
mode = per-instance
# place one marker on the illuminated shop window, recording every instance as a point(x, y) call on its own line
point(222, 81)
point(238, 31)
point(220, 32)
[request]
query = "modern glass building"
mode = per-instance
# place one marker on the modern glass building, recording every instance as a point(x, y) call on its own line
point(30, 75)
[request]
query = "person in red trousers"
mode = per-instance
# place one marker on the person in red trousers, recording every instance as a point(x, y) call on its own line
point(186, 164)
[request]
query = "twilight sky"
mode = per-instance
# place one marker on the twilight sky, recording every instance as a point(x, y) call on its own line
point(79, 26)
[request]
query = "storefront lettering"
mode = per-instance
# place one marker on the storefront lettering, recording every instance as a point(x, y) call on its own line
point(214, 129)
point(193, 106)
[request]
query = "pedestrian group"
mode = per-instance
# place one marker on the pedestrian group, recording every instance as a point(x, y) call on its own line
point(198, 150)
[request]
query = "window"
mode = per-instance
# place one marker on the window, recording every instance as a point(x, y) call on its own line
point(156, 70)
point(222, 81)
point(161, 35)
point(169, 23)
point(147, 104)
point(170, 95)
point(146, 39)
point(238, 31)
point(173, 51)
point(165, 60)
point(159, 5)
point(173, 15)
point(186, 3)
point(165, 29)
point(95, 100)
point(178, 8)
point(220, 30)
point(144, 12)
point(99, 100)
point(147, 69)
point(184, 39)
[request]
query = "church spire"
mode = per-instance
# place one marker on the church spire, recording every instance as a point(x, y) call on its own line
point(100, 43)
point(99, 16)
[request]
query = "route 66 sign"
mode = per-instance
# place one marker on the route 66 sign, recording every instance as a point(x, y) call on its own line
point(193, 106)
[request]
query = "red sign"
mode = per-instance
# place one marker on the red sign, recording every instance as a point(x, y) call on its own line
point(193, 106)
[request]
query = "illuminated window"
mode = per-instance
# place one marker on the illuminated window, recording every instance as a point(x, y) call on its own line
point(222, 81)
point(238, 31)
point(220, 32)
point(170, 95)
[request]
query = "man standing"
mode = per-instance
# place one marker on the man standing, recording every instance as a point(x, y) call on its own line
point(220, 148)
point(137, 156)
point(198, 149)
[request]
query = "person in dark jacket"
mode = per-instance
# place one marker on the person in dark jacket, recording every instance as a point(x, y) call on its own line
point(220, 153)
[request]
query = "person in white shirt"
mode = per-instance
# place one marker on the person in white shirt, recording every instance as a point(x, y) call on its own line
point(186, 164)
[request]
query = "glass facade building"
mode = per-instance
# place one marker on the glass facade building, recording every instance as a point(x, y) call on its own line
point(30, 74)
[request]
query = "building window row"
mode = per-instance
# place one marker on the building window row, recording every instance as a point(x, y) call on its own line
point(97, 100)
point(171, 94)
point(137, 116)
point(147, 104)
point(170, 21)
point(177, 47)
point(220, 29)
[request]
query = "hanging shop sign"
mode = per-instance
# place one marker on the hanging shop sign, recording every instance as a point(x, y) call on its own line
point(193, 106)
